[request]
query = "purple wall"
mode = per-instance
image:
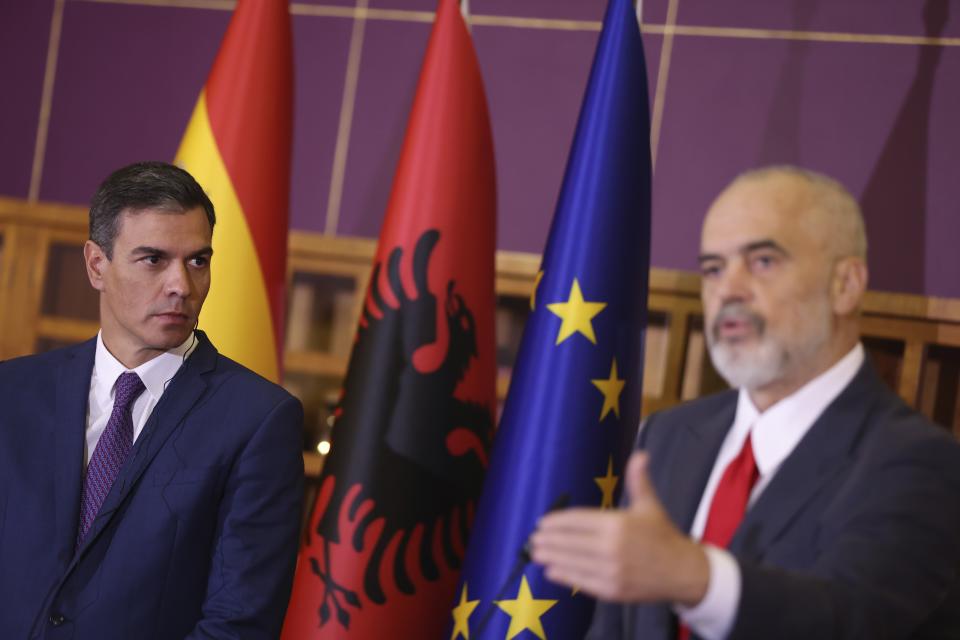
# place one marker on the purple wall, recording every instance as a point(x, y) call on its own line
point(24, 32)
point(879, 115)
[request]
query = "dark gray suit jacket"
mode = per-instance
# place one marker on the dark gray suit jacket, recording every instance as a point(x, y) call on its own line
point(856, 536)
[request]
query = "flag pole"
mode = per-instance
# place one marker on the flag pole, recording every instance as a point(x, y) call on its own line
point(465, 12)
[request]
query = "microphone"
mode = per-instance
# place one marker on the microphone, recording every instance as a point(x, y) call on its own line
point(186, 353)
point(523, 559)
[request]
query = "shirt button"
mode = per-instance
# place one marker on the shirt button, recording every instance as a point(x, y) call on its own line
point(56, 619)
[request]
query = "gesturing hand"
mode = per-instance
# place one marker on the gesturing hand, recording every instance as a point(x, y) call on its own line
point(631, 555)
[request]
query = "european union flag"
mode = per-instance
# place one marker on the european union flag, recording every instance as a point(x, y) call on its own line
point(574, 401)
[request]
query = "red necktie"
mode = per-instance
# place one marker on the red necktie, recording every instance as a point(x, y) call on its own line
point(729, 504)
point(730, 500)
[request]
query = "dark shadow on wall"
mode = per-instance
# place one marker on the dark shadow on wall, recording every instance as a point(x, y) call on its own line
point(781, 135)
point(895, 199)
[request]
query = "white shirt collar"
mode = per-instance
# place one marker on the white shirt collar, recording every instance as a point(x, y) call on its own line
point(155, 373)
point(778, 430)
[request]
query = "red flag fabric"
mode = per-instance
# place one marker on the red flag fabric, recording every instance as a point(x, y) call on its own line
point(409, 449)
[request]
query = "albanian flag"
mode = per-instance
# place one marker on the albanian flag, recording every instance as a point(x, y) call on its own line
point(237, 145)
point(387, 535)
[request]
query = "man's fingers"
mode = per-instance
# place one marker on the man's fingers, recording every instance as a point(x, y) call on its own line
point(565, 560)
point(582, 547)
point(552, 545)
point(575, 565)
point(582, 520)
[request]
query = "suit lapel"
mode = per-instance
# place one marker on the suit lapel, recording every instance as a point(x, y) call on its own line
point(72, 395)
point(184, 391)
point(685, 473)
point(680, 467)
point(823, 453)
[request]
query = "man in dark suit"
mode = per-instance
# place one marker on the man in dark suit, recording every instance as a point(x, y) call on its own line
point(149, 487)
point(808, 502)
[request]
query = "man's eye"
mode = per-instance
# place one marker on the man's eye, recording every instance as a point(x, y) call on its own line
point(200, 261)
point(709, 270)
point(763, 261)
point(152, 260)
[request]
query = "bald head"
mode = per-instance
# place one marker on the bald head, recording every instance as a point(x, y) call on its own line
point(820, 204)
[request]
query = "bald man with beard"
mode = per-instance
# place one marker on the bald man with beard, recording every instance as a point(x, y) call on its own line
point(808, 501)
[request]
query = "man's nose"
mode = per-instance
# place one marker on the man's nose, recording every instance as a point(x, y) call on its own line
point(178, 281)
point(734, 285)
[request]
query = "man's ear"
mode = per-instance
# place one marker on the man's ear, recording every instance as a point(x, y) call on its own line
point(96, 262)
point(849, 285)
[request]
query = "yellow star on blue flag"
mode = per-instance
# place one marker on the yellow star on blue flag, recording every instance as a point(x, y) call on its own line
point(577, 314)
point(607, 484)
point(525, 612)
point(461, 616)
point(610, 388)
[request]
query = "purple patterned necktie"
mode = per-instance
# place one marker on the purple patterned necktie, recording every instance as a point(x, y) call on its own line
point(111, 451)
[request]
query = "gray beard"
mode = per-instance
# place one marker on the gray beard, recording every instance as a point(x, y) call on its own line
point(750, 371)
point(770, 358)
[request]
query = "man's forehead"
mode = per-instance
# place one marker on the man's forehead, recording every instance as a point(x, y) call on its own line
point(755, 211)
point(164, 225)
point(164, 216)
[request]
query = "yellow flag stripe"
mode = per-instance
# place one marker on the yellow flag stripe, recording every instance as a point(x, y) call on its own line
point(236, 314)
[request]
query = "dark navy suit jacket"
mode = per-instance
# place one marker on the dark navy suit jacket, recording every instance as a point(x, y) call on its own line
point(198, 535)
point(857, 535)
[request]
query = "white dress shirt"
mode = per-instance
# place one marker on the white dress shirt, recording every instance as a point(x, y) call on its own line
point(775, 434)
point(155, 374)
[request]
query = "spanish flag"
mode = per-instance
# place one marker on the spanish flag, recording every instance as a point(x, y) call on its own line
point(237, 145)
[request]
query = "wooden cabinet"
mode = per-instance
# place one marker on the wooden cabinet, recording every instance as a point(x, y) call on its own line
point(46, 301)
point(46, 298)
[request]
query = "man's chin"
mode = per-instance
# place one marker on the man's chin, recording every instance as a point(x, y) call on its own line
point(745, 366)
point(170, 338)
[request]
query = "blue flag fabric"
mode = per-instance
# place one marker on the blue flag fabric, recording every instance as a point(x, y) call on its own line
point(574, 400)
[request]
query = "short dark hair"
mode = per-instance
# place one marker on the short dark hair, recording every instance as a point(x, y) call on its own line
point(139, 186)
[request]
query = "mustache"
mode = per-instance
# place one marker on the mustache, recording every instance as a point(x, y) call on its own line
point(737, 312)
